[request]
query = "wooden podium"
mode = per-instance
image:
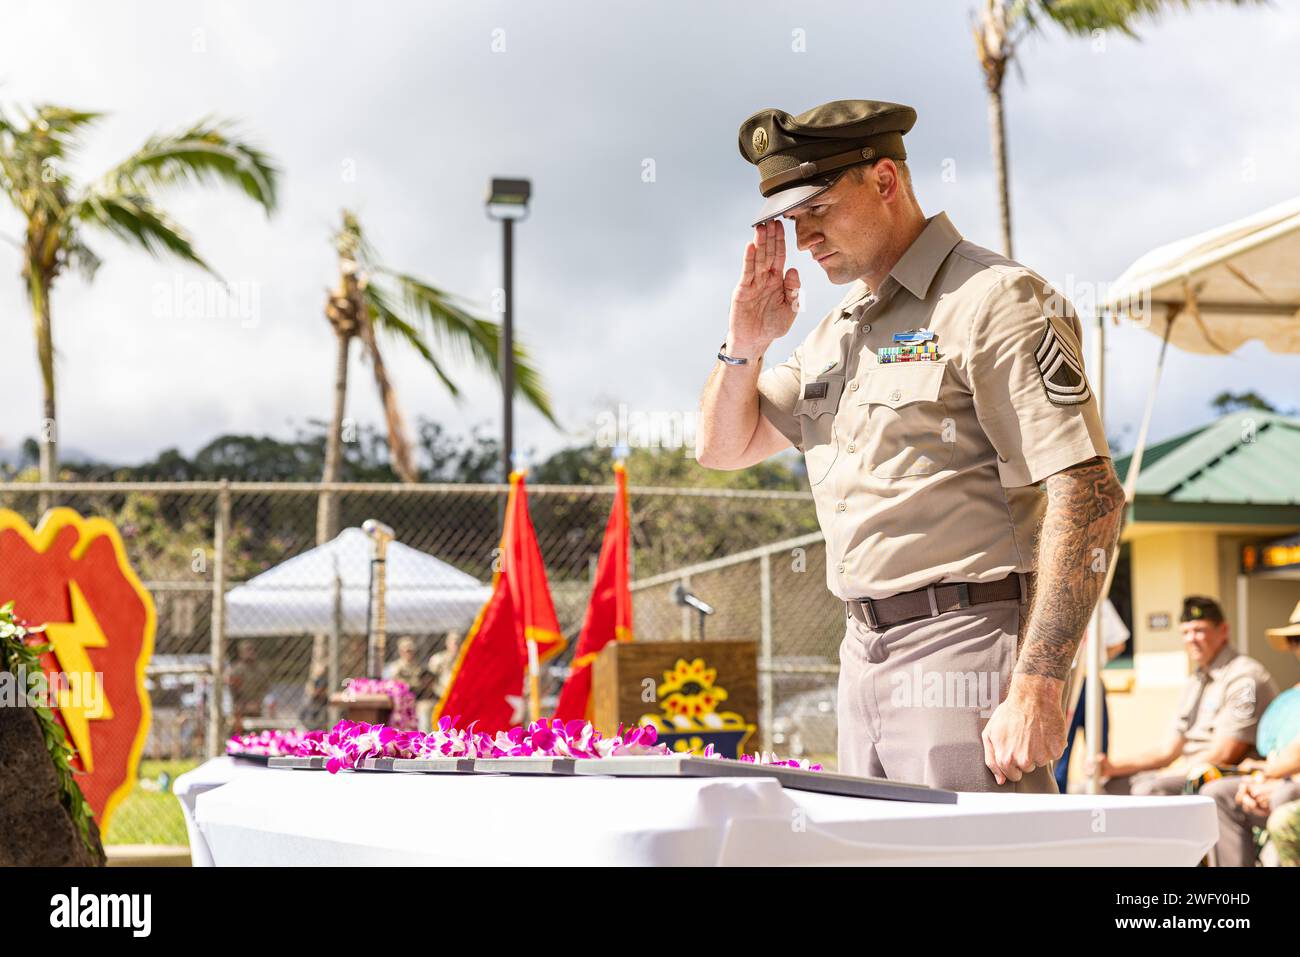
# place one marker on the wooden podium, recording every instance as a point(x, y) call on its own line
point(370, 708)
point(694, 692)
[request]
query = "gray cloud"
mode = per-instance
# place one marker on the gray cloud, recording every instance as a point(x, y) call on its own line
point(402, 112)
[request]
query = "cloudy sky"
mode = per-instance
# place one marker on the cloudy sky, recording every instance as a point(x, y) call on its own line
point(402, 111)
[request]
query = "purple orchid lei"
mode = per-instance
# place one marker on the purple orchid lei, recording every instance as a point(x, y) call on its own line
point(403, 713)
point(276, 744)
point(350, 742)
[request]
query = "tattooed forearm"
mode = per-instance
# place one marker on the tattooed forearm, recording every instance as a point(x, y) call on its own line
point(1085, 510)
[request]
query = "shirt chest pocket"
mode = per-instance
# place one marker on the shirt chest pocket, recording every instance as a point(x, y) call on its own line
point(908, 430)
point(816, 407)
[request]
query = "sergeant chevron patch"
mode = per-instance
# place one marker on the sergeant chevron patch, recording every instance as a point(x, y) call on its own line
point(1061, 370)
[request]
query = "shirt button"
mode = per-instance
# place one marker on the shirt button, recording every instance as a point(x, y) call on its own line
point(852, 447)
point(853, 386)
point(841, 507)
point(866, 327)
point(840, 569)
point(895, 395)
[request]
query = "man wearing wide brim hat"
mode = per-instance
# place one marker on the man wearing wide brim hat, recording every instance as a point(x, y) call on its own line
point(930, 405)
point(1285, 637)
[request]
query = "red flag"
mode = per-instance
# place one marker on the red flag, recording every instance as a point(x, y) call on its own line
point(609, 616)
point(487, 682)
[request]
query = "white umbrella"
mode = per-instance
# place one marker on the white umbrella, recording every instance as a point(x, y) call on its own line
point(425, 595)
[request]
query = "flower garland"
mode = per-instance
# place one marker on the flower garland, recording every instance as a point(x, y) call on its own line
point(275, 744)
point(350, 742)
point(20, 654)
point(403, 713)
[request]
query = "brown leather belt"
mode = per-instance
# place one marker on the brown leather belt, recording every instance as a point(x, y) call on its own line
point(934, 600)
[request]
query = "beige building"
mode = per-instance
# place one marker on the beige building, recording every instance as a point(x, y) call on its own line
point(1212, 515)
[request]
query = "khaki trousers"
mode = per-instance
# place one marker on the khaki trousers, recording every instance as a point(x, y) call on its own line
point(1147, 783)
point(914, 698)
point(1236, 845)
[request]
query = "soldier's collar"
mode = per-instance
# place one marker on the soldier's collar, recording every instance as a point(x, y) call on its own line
point(916, 268)
point(857, 292)
point(1220, 661)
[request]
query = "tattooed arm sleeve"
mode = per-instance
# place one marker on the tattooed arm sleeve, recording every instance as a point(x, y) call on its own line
point(1085, 513)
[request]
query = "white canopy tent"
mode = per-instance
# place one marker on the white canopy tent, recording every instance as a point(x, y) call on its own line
point(1217, 290)
point(1209, 293)
point(327, 590)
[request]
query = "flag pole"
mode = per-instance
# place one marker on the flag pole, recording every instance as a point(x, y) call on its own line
point(534, 683)
point(534, 665)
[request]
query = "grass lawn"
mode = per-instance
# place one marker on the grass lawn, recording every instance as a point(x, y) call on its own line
point(151, 816)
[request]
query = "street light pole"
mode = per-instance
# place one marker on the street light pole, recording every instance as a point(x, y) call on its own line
point(507, 357)
point(507, 201)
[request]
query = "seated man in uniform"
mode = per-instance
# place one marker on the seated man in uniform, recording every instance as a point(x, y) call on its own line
point(1265, 792)
point(1217, 714)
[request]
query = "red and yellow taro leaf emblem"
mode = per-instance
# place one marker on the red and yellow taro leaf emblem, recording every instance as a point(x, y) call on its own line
point(71, 575)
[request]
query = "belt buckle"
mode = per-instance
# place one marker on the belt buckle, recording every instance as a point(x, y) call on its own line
point(867, 609)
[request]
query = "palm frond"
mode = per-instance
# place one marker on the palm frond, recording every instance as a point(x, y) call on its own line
point(455, 330)
point(135, 220)
point(62, 119)
point(30, 171)
point(51, 133)
point(528, 383)
point(1082, 17)
point(386, 318)
point(81, 257)
point(452, 327)
point(207, 152)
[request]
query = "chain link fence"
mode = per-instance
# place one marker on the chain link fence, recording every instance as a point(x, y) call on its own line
point(269, 655)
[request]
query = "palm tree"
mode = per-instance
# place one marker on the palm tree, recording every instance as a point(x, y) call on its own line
point(33, 175)
point(372, 298)
point(1004, 23)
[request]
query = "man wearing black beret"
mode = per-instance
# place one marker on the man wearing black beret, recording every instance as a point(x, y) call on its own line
point(1218, 712)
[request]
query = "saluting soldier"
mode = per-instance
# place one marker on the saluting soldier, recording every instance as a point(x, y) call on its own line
point(953, 445)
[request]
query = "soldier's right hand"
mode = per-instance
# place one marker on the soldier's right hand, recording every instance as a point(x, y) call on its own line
point(766, 300)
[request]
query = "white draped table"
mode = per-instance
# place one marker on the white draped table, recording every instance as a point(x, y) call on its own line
point(267, 816)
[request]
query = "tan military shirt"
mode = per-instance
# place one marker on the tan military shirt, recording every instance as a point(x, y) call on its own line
point(1224, 700)
point(926, 472)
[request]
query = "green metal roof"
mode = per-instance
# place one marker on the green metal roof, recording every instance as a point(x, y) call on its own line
point(1249, 458)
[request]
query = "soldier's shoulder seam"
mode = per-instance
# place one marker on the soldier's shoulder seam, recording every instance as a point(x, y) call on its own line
point(987, 277)
point(1252, 667)
point(987, 258)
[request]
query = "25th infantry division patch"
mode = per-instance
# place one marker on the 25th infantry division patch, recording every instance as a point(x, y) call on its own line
point(1061, 369)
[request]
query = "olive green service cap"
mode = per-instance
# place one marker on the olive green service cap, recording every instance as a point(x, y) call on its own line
point(800, 156)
